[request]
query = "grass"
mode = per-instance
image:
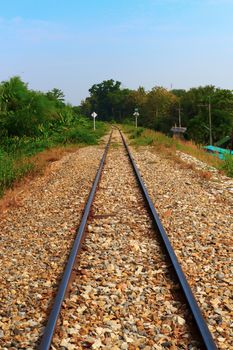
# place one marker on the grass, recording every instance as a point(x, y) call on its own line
point(11, 170)
point(29, 155)
point(169, 146)
point(115, 144)
point(227, 165)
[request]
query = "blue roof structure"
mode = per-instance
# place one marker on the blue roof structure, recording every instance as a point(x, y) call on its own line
point(218, 151)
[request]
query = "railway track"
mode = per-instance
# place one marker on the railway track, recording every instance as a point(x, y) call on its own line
point(125, 289)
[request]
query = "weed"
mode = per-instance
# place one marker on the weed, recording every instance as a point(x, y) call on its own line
point(115, 144)
point(168, 146)
point(205, 174)
point(18, 154)
point(227, 165)
point(136, 133)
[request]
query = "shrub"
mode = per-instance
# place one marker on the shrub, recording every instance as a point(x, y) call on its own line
point(228, 165)
point(137, 133)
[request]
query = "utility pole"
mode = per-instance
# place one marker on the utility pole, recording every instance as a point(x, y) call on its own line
point(210, 119)
point(179, 110)
point(232, 141)
point(210, 122)
point(155, 112)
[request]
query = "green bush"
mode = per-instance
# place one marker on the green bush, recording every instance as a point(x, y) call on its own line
point(9, 171)
point(136, 133)
point(76, 135)
point(144, 141)
point(6, 170)
point(14, 150)
point(32, 121)
point(228, 165)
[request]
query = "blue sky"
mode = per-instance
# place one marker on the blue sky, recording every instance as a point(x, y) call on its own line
point(73, 44)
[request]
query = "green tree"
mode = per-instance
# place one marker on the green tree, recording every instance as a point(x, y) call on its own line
point(23, 111)
point(160, 104)
point(195, 107)
point(101, 98)
point(56, 94)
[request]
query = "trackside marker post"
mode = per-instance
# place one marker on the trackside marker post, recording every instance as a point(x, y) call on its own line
point(94, 115)
point(136, 114)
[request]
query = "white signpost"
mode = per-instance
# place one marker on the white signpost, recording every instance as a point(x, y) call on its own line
point(136, 114)
point(94, 115)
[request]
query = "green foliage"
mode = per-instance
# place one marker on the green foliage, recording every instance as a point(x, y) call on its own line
point(23, 111)
point(56, 95)
point(135, 133)
point(159, 105)
point(108, 100)
point(14, 150)
point(143, 137)
point(148, 137)
point(195, 113)
point(81, 134)
point(32, 121)
point(158, 108)
point(228, 165)
point(144, 141)
point(6, 170)
point(164, 143)
point(10, 170)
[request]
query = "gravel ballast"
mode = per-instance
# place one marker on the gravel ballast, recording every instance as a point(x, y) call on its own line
point(36, 237)
point(198, 217)
point(123, 296)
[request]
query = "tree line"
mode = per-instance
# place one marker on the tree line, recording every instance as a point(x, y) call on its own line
point(26, 112)
point(159, 108)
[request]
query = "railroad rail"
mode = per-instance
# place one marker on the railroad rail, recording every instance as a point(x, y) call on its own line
point(200, 323)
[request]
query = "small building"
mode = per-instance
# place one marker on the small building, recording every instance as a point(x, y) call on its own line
point(178, 132)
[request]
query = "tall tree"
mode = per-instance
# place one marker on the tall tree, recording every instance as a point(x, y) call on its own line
point(159, 107)
point(101, 98)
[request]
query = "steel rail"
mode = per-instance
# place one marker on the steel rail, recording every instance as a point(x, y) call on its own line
point(200, 322)
point(60, 296)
